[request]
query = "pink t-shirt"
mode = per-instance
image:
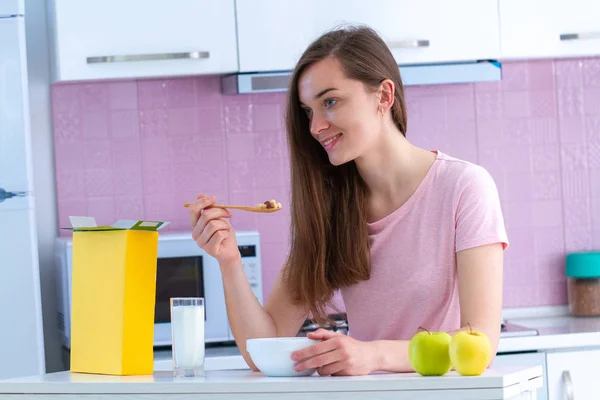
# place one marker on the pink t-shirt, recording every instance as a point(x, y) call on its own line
point(414, 279)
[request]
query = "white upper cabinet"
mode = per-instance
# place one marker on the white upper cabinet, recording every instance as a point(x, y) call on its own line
point(272, 34)
point(549, 28)
point(139, 38)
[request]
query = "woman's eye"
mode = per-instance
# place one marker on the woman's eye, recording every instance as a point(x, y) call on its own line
point(329, 103)
point(308, 112)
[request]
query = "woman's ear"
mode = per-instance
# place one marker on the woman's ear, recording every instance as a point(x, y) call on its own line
point(386, 95)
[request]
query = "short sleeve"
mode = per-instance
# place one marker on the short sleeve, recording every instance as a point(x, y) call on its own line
point(479, 220)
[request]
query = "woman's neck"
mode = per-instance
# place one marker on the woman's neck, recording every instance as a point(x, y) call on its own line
point(392, 170)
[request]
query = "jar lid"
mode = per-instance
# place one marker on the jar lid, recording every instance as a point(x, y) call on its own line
point(583, 265)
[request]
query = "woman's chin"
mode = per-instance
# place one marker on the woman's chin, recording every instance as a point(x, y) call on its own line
point(336, 160)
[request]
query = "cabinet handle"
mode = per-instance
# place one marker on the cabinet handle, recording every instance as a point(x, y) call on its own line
point(580, 36)
point(566, 375)
point(192, 55)
point(406, 44)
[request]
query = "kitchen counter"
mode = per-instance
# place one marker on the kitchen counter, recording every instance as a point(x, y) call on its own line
point(555, 332)
point(497, 383)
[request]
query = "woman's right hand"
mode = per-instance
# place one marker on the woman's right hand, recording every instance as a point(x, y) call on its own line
point(212, 231)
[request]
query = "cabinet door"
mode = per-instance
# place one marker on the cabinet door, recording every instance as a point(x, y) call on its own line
point(273, 34)
point(573, 375)
point(137, 38)
point(549, 28)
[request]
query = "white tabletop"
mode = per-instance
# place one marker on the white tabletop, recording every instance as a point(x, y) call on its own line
point(499, 383)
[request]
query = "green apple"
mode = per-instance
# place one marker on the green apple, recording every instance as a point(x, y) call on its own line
point(470, 352)
point(428, 353)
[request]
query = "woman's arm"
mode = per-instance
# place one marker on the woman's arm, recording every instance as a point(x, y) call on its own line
point(480, 277)
point(248, 319)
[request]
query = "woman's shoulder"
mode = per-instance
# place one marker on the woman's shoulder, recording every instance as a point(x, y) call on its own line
point(458, 172)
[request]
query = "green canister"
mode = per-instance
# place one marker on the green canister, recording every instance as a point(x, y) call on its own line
point(583, 283)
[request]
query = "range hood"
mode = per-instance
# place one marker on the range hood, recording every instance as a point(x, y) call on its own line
point(412, 75)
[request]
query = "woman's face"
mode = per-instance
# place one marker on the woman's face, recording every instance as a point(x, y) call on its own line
point(343, 114)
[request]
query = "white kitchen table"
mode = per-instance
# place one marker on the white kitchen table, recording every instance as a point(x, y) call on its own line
point(493, 384)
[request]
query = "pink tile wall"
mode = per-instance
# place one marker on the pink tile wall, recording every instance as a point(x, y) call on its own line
point(140, 149)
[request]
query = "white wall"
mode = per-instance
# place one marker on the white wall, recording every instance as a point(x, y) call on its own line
point(43, 171)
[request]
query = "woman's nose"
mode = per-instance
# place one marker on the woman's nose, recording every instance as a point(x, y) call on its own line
point(318, 123)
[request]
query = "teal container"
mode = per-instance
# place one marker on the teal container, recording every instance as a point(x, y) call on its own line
point(583, 283)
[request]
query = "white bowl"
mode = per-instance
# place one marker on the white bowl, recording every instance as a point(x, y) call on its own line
point(272, 356)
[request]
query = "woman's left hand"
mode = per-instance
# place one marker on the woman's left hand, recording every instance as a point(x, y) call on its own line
point(337, 354)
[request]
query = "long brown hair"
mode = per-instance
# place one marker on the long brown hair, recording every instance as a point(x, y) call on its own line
point(329, 238)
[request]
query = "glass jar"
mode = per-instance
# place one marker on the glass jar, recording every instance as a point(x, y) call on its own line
point(583, 283)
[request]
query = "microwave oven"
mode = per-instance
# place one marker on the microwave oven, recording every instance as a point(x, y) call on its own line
point(183, 270)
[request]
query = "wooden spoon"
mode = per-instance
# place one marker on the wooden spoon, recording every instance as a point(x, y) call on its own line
point(244, 208)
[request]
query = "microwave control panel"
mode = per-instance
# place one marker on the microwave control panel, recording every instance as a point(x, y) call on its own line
point(251, 269)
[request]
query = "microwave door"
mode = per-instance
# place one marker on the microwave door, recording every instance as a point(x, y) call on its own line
point(176, 277)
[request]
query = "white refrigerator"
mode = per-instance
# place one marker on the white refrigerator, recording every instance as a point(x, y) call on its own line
point(21, 332)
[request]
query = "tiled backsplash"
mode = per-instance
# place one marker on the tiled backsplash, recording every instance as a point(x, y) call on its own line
point(140, 149)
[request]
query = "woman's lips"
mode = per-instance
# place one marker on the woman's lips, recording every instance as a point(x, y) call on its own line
point(331, 141)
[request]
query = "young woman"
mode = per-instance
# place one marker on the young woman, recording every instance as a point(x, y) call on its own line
point(412, 238)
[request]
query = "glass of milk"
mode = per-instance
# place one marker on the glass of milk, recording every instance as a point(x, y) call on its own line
point(187, 331)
